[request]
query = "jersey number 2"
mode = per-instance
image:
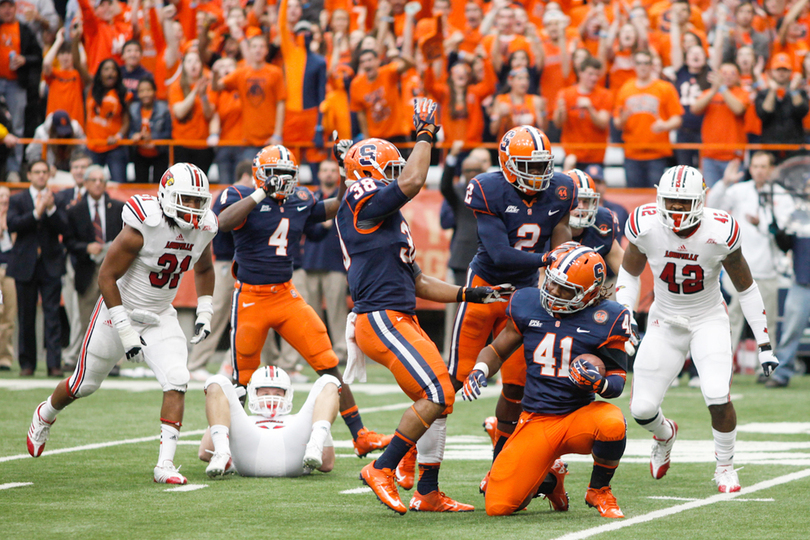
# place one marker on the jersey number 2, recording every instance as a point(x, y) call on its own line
point(170, 271)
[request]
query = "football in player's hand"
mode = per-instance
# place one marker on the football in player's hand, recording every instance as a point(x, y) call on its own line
point(593, 360)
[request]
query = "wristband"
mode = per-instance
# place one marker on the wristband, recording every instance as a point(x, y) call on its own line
point(765, 347)
point(258, 196)
point(483, 367)
point(722, 89)
point(425, 136)
point(205, 304)
point(461, 294)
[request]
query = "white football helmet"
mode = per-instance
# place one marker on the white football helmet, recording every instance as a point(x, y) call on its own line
point(584, 215)
point(684, 183)
point(183, 195)
point(270, 406)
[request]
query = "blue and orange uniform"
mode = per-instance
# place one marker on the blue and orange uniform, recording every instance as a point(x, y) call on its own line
point(601, 235)
point(378, 253)
point(265, 296)
point(560, 417)
point(513, 230)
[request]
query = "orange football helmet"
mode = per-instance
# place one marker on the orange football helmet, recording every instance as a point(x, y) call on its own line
point(574, 280)
point(584, 215)
point(525, 158)
point(373, 158)
point(276, 160)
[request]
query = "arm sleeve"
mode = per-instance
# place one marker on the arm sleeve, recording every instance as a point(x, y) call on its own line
point(446, 183)
point(315, 232)
point(492, 233)
point(381, 204)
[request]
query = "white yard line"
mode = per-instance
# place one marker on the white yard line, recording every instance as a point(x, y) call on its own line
point(356, 491)
point(187, 487)
point(721, 497)
point(15, 484)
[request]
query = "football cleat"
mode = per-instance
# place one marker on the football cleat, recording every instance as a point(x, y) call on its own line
point(221, 464)
point(384, 486)
point(482, 487)
point(491, 427)
point(661, 450)
point(437, 501)
point(38, 433)
point(603, 500)
point(168, 474)
point(558, 498)
point(726, 479)
point(367, 441)
point(407, 469)
point(313, 456)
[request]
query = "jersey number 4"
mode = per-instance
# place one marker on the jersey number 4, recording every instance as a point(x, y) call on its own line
point(545, 357)
point(693, 284)
point(170, 273)
point(279, 238)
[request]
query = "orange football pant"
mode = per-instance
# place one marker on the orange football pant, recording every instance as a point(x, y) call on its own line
point(473, 326)
point(255, 309)
point(396, 341)
point(538, 440)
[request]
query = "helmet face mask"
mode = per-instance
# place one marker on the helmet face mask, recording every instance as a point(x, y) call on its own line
point(525, 158)
point(685, 185)
point(183, 195)
point(374, 158)
point(270, 405)
point(573, 281)
point(584, 215)
point(276, 160)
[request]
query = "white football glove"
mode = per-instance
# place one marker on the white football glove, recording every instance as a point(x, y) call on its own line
point(202, 326)
point(631, 345)
point(767, 360)
point(132, 341)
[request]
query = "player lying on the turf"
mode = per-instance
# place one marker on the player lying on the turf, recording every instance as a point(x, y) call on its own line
point(273, 442)
point(569, 332)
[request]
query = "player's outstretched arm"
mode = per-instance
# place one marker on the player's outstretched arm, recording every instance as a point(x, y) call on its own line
point(628, 285)
point(236, 214)
point(752, 307)
point(204, 277)
point(614, 257)
point(414, 174)
point(490, 360)
point(436, 290)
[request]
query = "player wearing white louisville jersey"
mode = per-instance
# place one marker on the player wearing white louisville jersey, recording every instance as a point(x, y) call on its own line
point(687, 245)
point(162, 238)
point(273, 442)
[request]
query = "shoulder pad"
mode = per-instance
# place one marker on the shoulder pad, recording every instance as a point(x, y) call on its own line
point(640, 220)
point(485, 191)
point(301, 194)
point(210, 223)
point(727, 227)
point(562, 187)
point(606, 222)
point(142, 210)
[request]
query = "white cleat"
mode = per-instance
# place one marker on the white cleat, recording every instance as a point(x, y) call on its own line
point(38, 433)
point(726, 479)
point(168, 474)
point(313, 457)
point(661, 450)
point(221, 464)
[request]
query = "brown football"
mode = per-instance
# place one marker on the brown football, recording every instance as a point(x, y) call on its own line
point(594, 360)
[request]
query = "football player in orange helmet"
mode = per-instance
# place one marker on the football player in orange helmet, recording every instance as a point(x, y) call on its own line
point(267, 223)
point(373, 158)
point(556, 325)
point(519, 210)
point(525, 159)
point(595, 226)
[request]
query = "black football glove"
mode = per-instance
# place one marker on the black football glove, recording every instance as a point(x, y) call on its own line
point(485, 295)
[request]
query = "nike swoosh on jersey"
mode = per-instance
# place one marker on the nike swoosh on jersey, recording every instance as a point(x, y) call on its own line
point(581, 331)
point(400, 318)
point(552, 212)
point(247, 305)
point(301, 208)
point(598, 248)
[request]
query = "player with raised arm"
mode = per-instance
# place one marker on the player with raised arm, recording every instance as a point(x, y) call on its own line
point(519, 210)
point(265, 221)
point(162, 238)
point(574, 348)
point(687, 246)
point(384, 280)
point(273, 442)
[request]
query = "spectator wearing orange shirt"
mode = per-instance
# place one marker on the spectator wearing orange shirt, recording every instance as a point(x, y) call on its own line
point(151, 120)
point(680, 12)
point(65, 88)
point(555, 64)
point(375, 97)
point(782, 106)
point(743, 34)
point(723, 106)
point(583, 114)
point(108, 120)
point(191, 108)
point(646, 109)
point(504, 40)
point(226, 125)
point(467, 37)
point(263, 93)
point(103, 36)
point(751, 78)
point(518, 107)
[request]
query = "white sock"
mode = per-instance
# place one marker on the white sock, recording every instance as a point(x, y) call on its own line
point(659, 428)
point(430, 446)
point(220, 435)
point(724, 447)
point(320, 431)
point(168, 443)
point(47, 412)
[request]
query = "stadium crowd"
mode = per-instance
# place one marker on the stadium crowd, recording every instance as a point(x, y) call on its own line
point(224, 78)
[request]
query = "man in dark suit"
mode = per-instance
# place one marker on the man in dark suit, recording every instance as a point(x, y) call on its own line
point(93, 223)
point(79, 161)
point(37, 264)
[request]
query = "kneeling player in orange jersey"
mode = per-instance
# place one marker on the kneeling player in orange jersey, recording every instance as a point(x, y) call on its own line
point(558, 323)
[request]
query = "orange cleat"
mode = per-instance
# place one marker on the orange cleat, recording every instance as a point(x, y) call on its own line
point(559, 498)
point(437, 501)
point(407, 469)
point(491, 427)
point(603, 500)
point(382, 483)
point(367, 441)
